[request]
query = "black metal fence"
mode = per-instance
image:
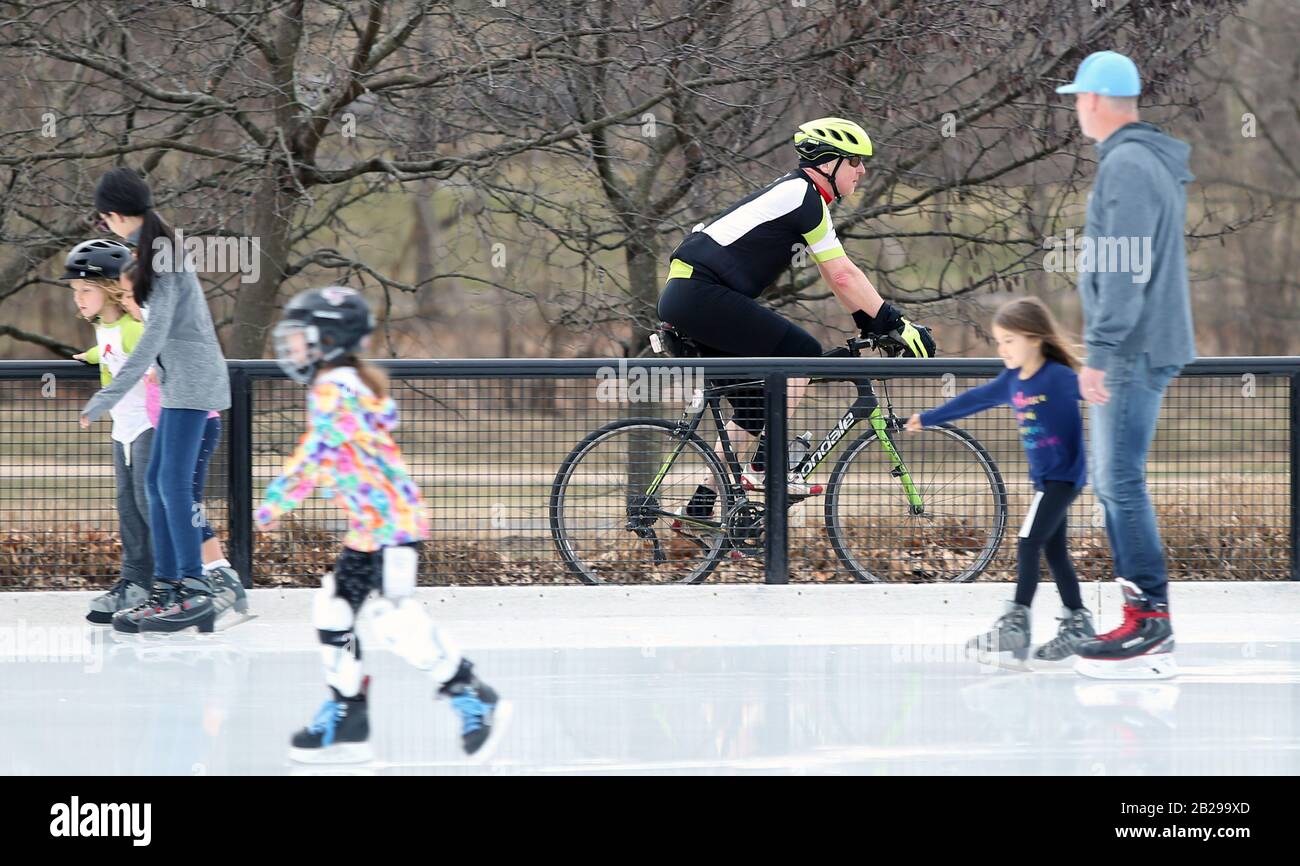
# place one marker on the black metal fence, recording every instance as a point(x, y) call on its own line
point(485, 440)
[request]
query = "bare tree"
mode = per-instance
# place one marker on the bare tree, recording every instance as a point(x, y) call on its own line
point(268, 121)
point(1249, 298)
point(587, 136)
point(977, 160)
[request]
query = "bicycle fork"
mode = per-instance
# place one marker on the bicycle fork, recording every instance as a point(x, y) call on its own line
point(899, 470)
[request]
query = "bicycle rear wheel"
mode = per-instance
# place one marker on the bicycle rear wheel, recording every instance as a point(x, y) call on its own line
point(609, 527)
point(947, 529)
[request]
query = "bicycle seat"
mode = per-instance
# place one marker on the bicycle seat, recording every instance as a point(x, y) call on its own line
point(667, 340)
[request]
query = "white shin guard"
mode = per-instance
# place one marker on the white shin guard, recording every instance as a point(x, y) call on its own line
point(407, 630)
point(340, 656)
point(342, 667)
point(328, 611)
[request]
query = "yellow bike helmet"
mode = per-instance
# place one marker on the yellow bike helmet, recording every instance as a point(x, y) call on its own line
point(825, 138)
point(830, 138)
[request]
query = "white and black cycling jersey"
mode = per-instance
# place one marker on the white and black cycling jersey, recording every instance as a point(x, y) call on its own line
point(748, 246)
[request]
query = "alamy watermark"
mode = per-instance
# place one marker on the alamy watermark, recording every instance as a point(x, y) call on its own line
point(20, 642)
point(647, 384)
point(1099, 255)
point(211, 254)
point(133, 821)
point(948, 645)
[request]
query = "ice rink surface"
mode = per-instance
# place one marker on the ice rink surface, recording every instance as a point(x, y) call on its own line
point(668, 680)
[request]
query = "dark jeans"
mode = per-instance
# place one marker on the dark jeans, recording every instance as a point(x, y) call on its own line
point(211, 437)
point(173, 518)
point(1046, 531)
point(130, 464)
point(1121, 433)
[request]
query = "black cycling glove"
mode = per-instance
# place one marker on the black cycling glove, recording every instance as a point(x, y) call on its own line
point(912, 340)
point(887, 319)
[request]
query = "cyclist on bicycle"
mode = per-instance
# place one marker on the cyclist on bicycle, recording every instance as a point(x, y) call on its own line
point(720, 269)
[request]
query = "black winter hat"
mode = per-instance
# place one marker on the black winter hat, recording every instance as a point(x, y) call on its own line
point(123, 191)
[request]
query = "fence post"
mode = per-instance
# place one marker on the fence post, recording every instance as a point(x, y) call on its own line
point(1294, 469)
point(776, 493)
point(239, 465)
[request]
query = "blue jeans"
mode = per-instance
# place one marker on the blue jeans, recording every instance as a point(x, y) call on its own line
point(1121, 434)
point(211, 436)
point(173, 520)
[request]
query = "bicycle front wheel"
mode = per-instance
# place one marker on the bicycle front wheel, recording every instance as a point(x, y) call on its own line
point(619, 505)
point(928, 506)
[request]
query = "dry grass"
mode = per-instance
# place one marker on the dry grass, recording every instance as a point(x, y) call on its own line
point(1230, 529)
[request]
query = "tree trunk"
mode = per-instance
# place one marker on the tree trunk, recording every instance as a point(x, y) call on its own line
point(256, 307)
point(644, 455)
point(642, 256)
point(423, 230)
point(507, 350)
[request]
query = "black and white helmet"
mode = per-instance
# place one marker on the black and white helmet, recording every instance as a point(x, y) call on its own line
point(96, 260)
point(319, 326)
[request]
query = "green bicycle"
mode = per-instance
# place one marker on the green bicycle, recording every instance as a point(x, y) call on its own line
point(929, 506)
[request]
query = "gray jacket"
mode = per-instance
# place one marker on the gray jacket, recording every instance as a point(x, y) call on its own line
point(1140, 193)
point(181, 341)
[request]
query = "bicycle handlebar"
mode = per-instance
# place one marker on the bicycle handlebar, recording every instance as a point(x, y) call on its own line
point(854, 346)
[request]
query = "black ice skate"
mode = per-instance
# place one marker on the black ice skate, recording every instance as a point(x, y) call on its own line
point(483, 715)
point(338, 734)
point(191, 607)
point(1008, 641)
point(1075, 626)
point(1142, 648)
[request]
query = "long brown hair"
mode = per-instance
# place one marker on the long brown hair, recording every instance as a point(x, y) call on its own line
point(372, 376)
point(118, 293)
point(1030, 317)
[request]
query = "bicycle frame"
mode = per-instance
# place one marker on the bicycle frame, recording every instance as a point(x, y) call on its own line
point(865, 407)
point(712, 398)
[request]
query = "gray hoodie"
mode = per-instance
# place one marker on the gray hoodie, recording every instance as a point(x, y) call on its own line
point(1140, 193)
point(181, 341)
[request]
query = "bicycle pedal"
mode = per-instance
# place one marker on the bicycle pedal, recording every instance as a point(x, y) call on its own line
point(813, 490)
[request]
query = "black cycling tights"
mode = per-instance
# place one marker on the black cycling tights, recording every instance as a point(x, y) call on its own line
point(727, 324)
point(732, 324)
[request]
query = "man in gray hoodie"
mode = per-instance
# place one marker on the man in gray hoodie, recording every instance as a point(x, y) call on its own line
point(1138, 335)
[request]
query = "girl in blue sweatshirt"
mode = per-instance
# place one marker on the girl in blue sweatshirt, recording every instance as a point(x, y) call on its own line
point(1041, 386)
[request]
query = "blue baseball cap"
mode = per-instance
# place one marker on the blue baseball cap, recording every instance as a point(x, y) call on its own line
point(1106, 72)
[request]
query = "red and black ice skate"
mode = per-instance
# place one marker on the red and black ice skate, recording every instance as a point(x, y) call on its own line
point(1142, 648)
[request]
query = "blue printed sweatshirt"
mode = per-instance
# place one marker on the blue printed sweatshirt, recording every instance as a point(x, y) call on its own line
point(1047, 412)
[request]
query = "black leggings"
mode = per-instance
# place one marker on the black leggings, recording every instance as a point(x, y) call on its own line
point(357, 572)
point(1045, 531)
point(727, 324)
